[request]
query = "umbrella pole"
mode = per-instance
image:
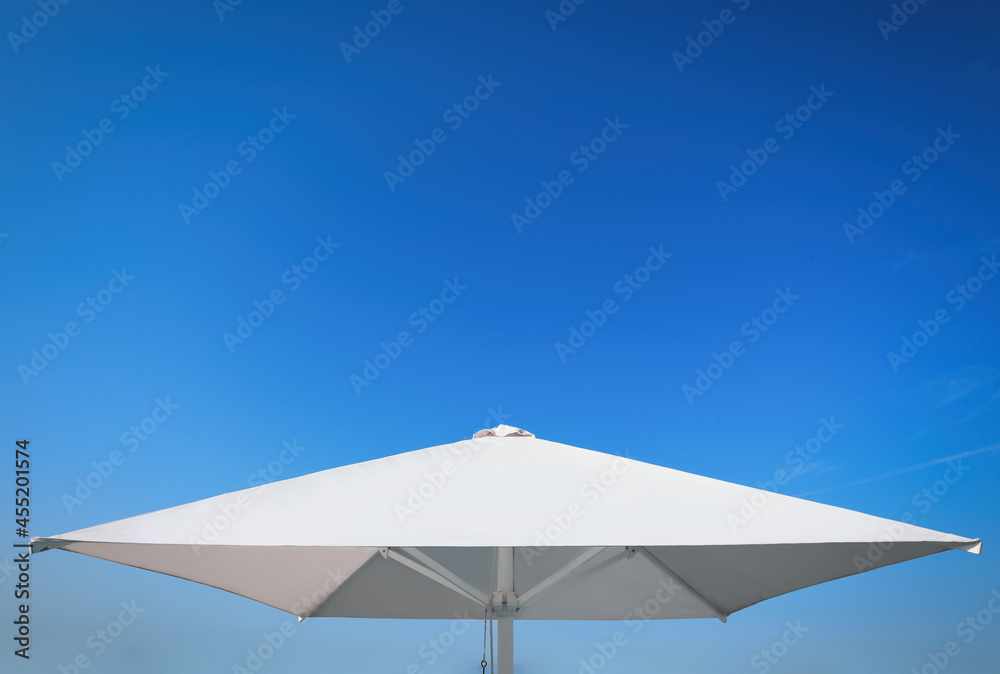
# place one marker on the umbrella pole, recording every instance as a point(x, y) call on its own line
point(505, 623)
point(505, 635)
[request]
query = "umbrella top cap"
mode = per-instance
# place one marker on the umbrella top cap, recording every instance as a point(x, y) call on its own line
point(504, 431)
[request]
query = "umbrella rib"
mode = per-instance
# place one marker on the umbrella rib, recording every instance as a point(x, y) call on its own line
point(670, 572)
point(560, 574)
point(613, 559)
point(390, 553)
point(445, 572)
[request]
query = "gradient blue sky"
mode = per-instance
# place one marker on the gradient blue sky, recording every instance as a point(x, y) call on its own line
point(492, 353)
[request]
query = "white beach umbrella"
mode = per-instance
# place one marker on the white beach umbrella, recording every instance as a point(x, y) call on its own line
point(509, 525)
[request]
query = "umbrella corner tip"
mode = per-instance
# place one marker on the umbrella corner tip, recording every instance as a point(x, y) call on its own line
point(40, 544)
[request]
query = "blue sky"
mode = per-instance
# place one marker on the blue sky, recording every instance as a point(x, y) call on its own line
point(698, 160)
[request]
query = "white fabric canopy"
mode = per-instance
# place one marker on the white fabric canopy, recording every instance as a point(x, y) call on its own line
point(593, 536)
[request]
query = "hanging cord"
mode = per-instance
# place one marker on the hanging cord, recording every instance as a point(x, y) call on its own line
point(488, 620)
point(486, 623)
point(493, 578)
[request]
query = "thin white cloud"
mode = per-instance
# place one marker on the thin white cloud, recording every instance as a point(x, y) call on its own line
point(908, 258)
point(990, 404)
point(960, 384)
point(910, 469)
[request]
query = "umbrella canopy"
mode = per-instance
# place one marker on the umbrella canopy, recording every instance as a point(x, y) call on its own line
point(535, 530)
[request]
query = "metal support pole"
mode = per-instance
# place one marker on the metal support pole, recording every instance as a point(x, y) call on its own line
point(505, 624)
point(505, 635)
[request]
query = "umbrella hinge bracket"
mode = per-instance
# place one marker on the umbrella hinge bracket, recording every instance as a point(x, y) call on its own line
point(505, 603)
